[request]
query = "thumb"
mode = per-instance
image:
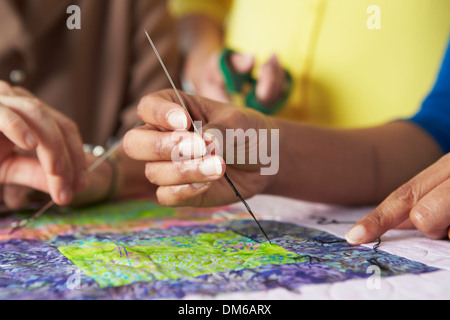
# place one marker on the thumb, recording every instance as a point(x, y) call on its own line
point(23, 171)
point(242, 63)
point(16, 197)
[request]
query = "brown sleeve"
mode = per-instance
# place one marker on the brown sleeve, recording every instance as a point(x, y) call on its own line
point(146, 74)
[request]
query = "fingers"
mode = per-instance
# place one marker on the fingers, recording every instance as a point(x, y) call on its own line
point(74, 143)
point(6, 89)
point(391, 213)
point(182, 195)
point(52, 145)
point(242, 63)
point(12, 125)
point(271, 82)
point(431, 214)
point(159, 111)
point(413, 200)
point(195, 171)
point(209, 82)
point(74, 146)
point(23, 171)
point(16, 197)
point(151, 145)
point(16, 129)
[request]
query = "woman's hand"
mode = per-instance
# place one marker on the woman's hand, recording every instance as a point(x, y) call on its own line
point(425, 201)
point(188, 168)
point(209, 82)
point(40, 149)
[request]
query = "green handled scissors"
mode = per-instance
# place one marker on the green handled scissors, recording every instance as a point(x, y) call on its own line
point(236, 83)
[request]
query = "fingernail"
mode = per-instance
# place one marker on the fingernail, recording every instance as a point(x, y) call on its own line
point(199, 186)
point(31, 141)
point(192, 147)
point(65, 195)
point(356, 235)
point(248, 58)
point(177, 120)
point(211, 167)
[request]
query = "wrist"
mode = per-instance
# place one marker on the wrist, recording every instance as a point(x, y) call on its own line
point(277, 183)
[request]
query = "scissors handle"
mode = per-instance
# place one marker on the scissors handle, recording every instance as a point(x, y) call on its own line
point(235, 83)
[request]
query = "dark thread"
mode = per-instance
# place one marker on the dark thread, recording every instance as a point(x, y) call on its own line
point(245, 235)
point(372, 261)
point(375, 262)
point(324, 221)
point(310, 258)
point(329, 242)
point(377, 245)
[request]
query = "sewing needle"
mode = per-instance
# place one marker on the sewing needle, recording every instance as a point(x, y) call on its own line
point(198, 132)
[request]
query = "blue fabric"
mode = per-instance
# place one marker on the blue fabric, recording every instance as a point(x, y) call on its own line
point(434, 116)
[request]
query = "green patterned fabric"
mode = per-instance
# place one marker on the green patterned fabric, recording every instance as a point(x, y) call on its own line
point(115, 264)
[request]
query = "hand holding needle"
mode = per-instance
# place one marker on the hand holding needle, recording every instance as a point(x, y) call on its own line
point(198, 132)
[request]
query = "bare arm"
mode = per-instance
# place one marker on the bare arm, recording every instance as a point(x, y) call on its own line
point(350, 167)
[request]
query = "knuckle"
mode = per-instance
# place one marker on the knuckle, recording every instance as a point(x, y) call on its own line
point(158, 149)
point(34, 107)
point(182, 171)
point(70, 126)
point(235, 116)
point(151, 173)
point(128, 143)
point(144, 106)
point(421, 215)
point(381, 217)
point(35, 102)
point(377, 218)
point(407, 194)
point(12, 123)
point(141, 107)
point(4, 87)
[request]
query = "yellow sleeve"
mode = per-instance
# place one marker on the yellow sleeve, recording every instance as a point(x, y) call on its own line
point(216, 9)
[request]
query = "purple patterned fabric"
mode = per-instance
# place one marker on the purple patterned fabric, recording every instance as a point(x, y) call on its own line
point(37, 270)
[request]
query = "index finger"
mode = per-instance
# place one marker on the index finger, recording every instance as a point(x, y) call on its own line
point(159, 110)
point(397, 207)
